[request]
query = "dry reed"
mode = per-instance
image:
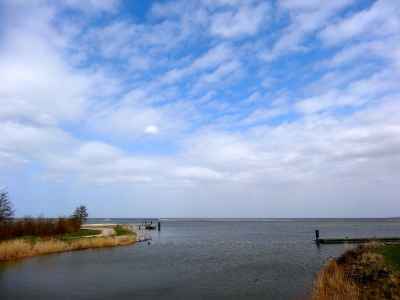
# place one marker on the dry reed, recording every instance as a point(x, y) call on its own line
point(20, 248)
point(333, 284)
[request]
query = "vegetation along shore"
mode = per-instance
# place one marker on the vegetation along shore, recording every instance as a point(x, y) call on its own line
point(21, 248)
point(27, 237)
point(369, 271)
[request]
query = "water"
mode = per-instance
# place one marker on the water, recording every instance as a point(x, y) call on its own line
point(220, 259)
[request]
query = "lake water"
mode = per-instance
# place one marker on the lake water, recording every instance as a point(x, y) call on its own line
point(192, 259)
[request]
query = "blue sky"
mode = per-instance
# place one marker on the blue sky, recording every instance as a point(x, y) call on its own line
point(221, 108)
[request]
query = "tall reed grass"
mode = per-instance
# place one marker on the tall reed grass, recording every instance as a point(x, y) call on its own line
point(20, 248)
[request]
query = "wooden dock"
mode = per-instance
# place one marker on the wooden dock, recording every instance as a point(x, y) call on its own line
point(141, 233)
point(149, 225)
point(142, 229)
point(357, 240)
point(347, 240)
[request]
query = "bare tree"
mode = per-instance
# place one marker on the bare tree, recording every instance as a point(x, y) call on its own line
point(81, 214)
point(6, 210)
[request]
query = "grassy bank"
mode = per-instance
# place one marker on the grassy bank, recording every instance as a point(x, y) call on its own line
point(367, 272)
point(121, 230)
point(33, 246)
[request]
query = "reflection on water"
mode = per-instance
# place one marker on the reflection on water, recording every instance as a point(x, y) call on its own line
point(192, 260)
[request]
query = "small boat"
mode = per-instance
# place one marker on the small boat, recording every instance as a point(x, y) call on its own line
point(150, 226)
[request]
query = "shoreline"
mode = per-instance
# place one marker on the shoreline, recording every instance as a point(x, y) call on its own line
point(20, 248)
point(370, 271)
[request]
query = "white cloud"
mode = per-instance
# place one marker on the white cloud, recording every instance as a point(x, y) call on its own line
point(246, 20)
point(296, 151)
point(225, 151)
point(31, 143)
point(151, 129)
point(96, 152)
point(198, 173)
point(330, 100)
point(93, 5)
point(263, 115)
point(131, 120)
point(222, 72)
point(33, 58)
point(305, 17)
point(338, 90)
point(387, 49)
point(370, 33)
point(381, 19)
point(100, 163)
point(126, 120)
point(214, 57)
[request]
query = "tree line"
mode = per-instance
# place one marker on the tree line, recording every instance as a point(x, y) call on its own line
point(13, 228)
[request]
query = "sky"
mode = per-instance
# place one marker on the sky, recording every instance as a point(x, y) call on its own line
point(206, 108)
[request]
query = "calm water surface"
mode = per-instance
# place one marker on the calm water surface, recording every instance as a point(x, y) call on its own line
point(264, 259)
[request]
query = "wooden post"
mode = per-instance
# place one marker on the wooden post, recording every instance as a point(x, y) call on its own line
point(159, 226)
point(317, 235)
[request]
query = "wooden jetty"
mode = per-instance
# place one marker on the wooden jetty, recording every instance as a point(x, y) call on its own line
point(347, 240)
point(358, 240)
point(141, 229)
point(149, 225)
point(141, 234)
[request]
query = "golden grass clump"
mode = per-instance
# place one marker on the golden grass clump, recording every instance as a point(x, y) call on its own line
point(20, 248)
point(365, 272)
point(332, 283)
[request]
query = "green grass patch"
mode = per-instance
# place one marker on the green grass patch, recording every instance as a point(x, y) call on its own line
point(33, 239)
point(30, 238)
point(120, 230)
point(80, 233)
point(391, 254)
point(84, 232)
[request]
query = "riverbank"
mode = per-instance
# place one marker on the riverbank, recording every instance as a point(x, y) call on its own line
point(100, 238)
point(366, 272)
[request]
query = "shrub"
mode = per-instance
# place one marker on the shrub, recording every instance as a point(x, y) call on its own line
point(38, 227)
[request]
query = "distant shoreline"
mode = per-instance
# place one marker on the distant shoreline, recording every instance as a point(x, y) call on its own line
point(246, 219)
